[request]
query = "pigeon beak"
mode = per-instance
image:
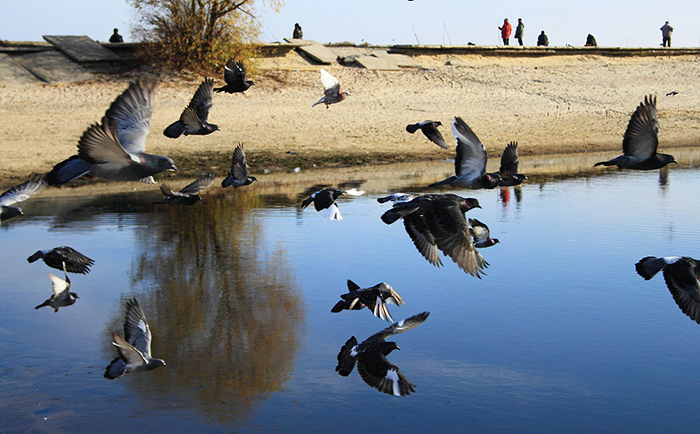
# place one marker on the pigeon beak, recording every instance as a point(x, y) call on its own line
point(173, 169)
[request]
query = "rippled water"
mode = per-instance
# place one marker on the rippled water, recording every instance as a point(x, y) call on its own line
point(560, 336)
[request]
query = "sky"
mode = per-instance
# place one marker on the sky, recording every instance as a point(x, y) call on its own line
point(614, 23)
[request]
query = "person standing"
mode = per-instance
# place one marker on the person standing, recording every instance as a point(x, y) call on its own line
point(666, 31)
point(519, 30)
point(505, 31)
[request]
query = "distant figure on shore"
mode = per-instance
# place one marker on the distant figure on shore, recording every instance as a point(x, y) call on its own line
point(116, 37)
point(590, 41)
point(505, 31)
point(542, 40)
point(519, 30)
point(666, 32)
point(298, 34)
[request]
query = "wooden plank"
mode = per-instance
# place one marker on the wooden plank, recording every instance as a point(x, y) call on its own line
point(54, 67)
point(13, 75)
point(377, 63)
point(319, 53)
point(82, 48)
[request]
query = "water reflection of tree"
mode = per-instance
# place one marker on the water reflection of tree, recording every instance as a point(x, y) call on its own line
point(226, 315)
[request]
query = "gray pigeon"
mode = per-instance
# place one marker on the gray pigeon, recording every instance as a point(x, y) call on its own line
point(374, 298)
point(64, 256)
point(372, 364)
point(470, 161)
point(135, 348)
point(481, 234)
point(681, 275)
point(429, 129)
point(116, 148)
point(193, 120)
point(238, 176)
point(331, 92)
point(62, 296)
point(641, 140)
point(396, 198)
point(189, 195)
point(18, 193)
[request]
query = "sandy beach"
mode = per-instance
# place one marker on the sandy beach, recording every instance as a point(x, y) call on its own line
point(557, 105)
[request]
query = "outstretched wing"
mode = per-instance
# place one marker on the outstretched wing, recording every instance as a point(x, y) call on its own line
point(471, 156)
point(509, 159)
point(642, 134)
point(22, 192)
point(239, 165)
point(136, 330)
point(399, 327)
point(683, 283)
point(130, 114)
point(202, 100)
point(199, 185)
point(328, 81)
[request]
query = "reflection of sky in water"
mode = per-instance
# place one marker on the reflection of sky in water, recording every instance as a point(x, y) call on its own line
point(561, 335)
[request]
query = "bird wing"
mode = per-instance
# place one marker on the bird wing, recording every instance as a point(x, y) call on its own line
point(199, 185)
point(131, 114)
point(418, 231)
point(168, 192)
point(471, 155)
point(59, 285)
point(509, 159)
point(22, 192)
point(682, 281)
point(100, 144)
point(128, 352)
point(202, 100)
point(328, 81)
point(389, 294)
point(384, 376)
point(239, 165)
point(642, 134)
point(75, 261)
point(433, 134)
point(234, 72)
point(136, 330)
point(190, 119)
point(479, 231)
point(399, 327)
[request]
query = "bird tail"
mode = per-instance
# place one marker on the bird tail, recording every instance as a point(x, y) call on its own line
point(412, 128)
point(384, 199)
point(340, 306)
point(67, 170)
point(603, 163)
point(346, 360)
point(218, 89)
point(174, 130)
point(320, 101)
point(227, 181)
point(398, 211)
point(115, 369)
point(447, 181)
point(36, 256)
point(649, 266)
point(46, 303)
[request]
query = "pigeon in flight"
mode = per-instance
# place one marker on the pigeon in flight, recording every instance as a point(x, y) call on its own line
point(324, 201)
point(481, 234)
point(375, 298)
point(508, 172)
point(437, 222)
point(681, 275)
point(429, 129)
point(64, 256)
point(189, 195)
point(115, 149)
point(18, 193)
point(331, 92)
point(62, 296)
point(470, 162)
point(372, 364)
point(135, 347)
point(193, 120)
point(238, 176)
point(641, 140)
point(234, 75)
point(396, 197)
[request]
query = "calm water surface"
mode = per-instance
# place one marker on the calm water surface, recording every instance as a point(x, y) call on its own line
point(560, 336)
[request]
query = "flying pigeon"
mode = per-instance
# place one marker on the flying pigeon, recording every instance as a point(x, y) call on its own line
point(189, 195)
point(115, 149)
point(437, 222)
point(429, 129)
point(234, 75)
point(470, 162)
point(64, 256)
point(641, 140)
point(372, 364)
point(481, 234)
point(681, 275)
point(324, 201)
point(193, 120)
point(135, 348)
point(375, 298)
point(508, 171)
point(331, 92)
point(396, 197)
point(238, 176)
point(18, 193)
point(62, 296)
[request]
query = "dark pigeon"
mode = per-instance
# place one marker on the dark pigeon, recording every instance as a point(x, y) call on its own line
point(374, 298)
point(372, 364)
point(508, 172)
point(193, 120)
point(189, 195)
point(324, 202)
point(470, 161)
point(641, 140)
point(481, 234)
point(331, 92)
point(18, 193)
point(238, 176)
point(681, 275)
point(234, 75)
point(62, 296)
point(429, 129)
point(116, 148)
point(58, 257)
point(135, 348)
point(437, 222)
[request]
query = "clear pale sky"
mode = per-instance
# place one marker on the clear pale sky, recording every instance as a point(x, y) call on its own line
point(385, 22)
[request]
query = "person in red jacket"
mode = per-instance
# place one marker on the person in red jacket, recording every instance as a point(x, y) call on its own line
point(505, 31)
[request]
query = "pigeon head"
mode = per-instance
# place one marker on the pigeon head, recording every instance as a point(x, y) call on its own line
point(8, 212)
point(469, 203)
point(438, 123)
point(666, 159)
point(211, 128)
point(166, 163)
point(251, 179)
point(157, 363)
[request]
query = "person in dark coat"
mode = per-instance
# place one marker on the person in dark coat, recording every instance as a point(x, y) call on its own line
point(116, 37)
point(505, 31)
point(590, 41)
point(666, 32)
point(519, 30)
point(542, 40)
point(298, 34)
